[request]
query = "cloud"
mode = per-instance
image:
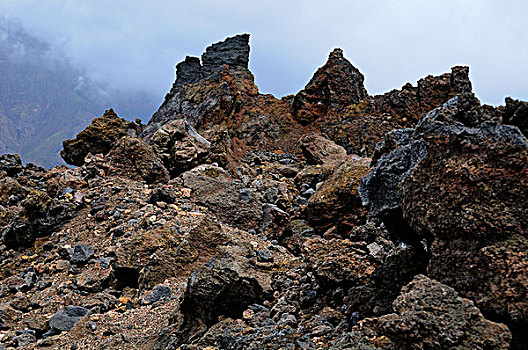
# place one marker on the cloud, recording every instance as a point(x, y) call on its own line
point(136, 44)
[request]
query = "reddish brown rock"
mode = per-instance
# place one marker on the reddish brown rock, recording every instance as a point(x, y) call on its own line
point(98, 137)
point(133, 158)
point(334, 86)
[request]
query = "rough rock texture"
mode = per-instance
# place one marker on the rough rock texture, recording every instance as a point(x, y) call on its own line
point(229, 199)
point(230, 224)
point(180, 147)
point(361, 126)
point(224, 286)
point(214, 98)
point(458, 184)
point(336, 201)
point(334, 86)
point(98, 137)
point(133, 158)
point(430, 315)
point(317, 149)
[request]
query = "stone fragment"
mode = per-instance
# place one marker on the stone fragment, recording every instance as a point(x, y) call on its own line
point(64, 319)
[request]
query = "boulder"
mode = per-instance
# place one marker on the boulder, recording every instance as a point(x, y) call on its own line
point(64, 319)
point(133, 158)
point(225, 286)
point(231, 201)
point(431, 315)
point(317, 149)
point(336, 201)
point(179, 146)
point(98, 137)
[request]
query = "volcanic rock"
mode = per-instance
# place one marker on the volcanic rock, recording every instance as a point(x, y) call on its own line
point(179, 146)
point(64, 319)
point(133, 158)
point(98, 137)
point(334, 86)
point(317, 149)
point(337, 199)
point(431, 315)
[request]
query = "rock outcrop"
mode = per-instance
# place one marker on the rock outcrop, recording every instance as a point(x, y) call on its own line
point(97, 138)
point(240, 221)
point(333, 87)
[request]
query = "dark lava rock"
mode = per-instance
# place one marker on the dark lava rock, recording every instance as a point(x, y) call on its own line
point(192, 99)
point(226, 286)
point(459, 185)
point(334, 86)
point(430, 315)
point(516, 113)
point(160, 292)
point(98, 137)
point(81, 254)
point(64, 319)
point(40, 215)
point(232, 52)
point(11, 164)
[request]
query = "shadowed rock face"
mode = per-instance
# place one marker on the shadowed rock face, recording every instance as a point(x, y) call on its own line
point(458, 183)
point(333, 87)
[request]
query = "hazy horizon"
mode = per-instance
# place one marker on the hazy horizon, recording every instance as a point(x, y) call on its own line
point(130, 45)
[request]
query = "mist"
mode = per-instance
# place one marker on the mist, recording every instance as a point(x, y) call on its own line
point(134, 45)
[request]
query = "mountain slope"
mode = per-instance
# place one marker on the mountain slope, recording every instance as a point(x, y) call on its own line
point(44, 99)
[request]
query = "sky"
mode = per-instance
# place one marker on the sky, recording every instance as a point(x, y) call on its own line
point(135, 44)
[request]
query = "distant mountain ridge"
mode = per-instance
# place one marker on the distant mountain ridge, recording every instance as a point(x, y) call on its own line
point(44, 99)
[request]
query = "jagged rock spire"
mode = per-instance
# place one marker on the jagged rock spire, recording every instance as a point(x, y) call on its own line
point(334, 86)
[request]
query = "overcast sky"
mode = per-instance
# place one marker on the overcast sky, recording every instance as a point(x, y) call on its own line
point(136, 43)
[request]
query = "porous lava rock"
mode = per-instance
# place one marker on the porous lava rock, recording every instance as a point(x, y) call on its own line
point(133, 158)
point(334, 86)
point(458, 184)
point(98, 137)
point(431, 315)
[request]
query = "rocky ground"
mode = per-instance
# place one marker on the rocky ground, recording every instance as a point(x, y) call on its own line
point(331, 219)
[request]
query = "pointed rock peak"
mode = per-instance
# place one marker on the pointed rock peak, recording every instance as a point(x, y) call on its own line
point(460, 78)
point(233, 52)
point(334, 86)
point(336, 54)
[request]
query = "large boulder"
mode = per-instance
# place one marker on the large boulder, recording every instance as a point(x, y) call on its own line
point(431, 315)
point(225, 287)
point(179, 146)
point(336, 201)
point(231, 201)
point(98, 137)
point(133, 158)
point(458, 184)
point(317, 149)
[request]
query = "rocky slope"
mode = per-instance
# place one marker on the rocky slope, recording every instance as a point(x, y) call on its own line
point(331, 219)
